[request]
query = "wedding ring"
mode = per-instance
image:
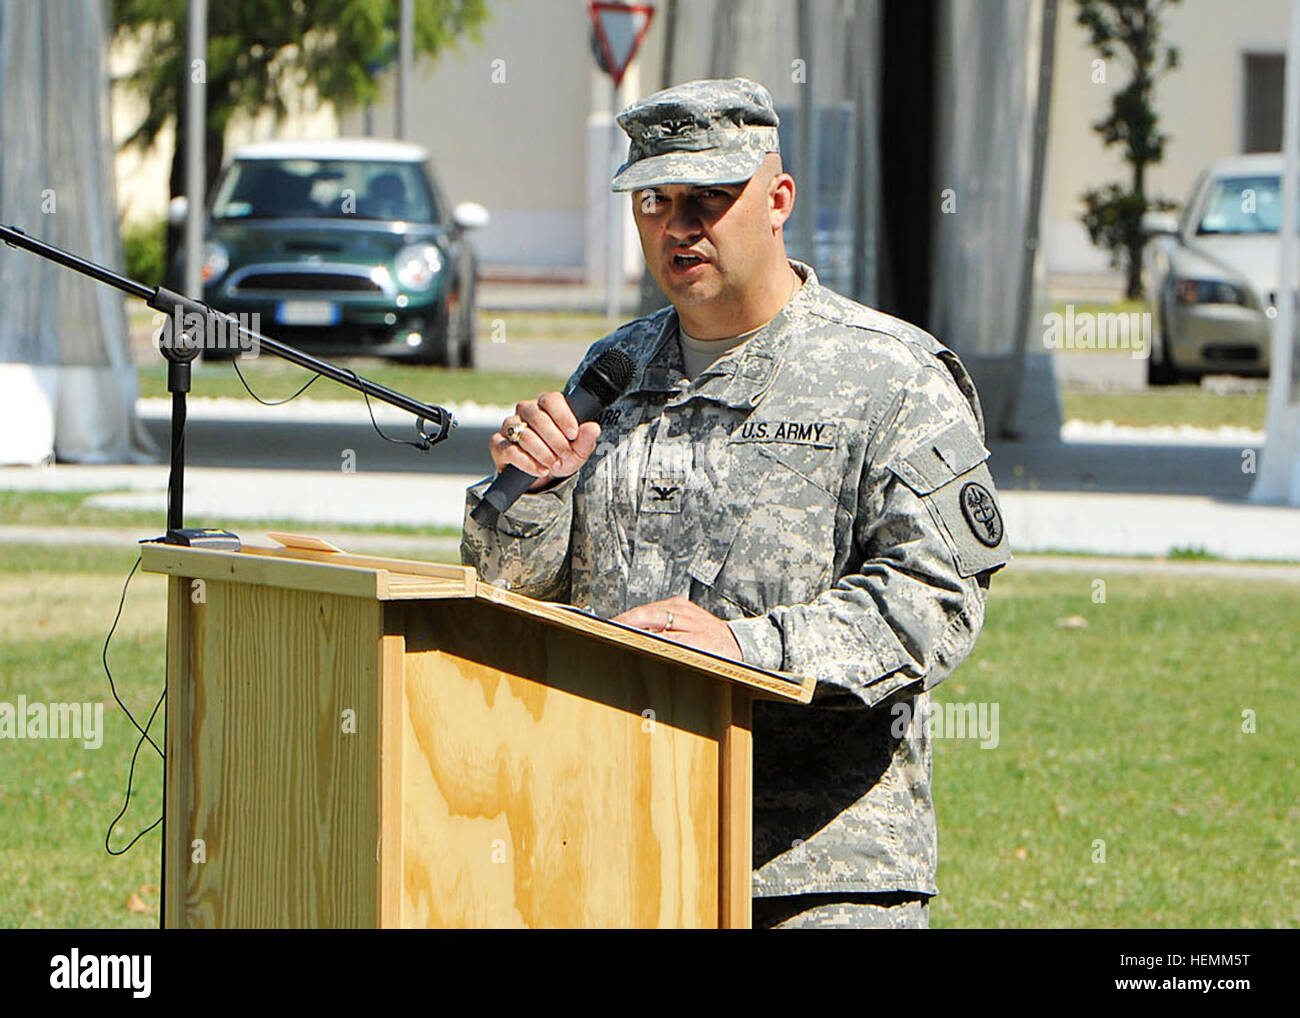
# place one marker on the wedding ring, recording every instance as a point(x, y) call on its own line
point(669, 624)
point(515, 430)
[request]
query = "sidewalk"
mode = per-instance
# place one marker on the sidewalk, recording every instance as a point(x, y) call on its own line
point(314, 498)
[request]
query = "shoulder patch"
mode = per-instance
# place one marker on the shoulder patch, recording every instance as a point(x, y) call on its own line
point(982, 513)
point(949, 474)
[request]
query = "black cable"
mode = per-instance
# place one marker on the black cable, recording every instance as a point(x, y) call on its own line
point(423, 445)
point(130, 778)
point(104, 657)
point(235, 361)
point(144, 732)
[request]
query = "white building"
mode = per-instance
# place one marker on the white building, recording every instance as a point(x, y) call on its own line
point(517, 121)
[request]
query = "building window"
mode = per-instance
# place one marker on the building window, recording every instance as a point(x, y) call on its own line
point(1264, 89)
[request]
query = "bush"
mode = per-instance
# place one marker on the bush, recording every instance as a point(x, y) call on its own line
point(145, 247)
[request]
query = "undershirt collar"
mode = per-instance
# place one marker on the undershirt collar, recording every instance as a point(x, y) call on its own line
point(698, 354)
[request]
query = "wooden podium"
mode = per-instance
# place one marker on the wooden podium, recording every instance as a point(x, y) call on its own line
point(368, 742)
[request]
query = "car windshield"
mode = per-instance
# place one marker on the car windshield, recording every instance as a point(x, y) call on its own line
point(1243, 205)
point(324, 189)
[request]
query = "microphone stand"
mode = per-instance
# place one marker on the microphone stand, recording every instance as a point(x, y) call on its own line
point(433, 423)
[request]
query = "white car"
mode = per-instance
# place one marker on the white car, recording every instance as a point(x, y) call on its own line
point(1210, 274)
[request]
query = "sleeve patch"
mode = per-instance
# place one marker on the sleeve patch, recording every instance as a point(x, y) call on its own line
point(967, 511)
point(949, 474)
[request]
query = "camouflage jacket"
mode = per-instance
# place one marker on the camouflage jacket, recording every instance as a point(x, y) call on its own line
point(823, 488)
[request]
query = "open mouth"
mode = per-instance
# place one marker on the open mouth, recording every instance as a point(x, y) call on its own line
point(685, 261)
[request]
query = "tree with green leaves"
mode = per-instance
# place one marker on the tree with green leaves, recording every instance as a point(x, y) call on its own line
point(261, 51)
point(1113, 213)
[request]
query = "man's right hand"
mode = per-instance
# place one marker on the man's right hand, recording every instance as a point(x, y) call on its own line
point(552, 447)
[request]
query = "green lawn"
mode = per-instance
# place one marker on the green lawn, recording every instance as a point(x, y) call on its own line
point(57, 797)
point(1181, 404)
point(69, 509)
point(1120, 307)
point(490, 325)
point(273, 379)
point(1127, 730)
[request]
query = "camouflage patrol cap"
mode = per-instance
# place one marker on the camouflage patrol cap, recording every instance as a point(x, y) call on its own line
point(713, 131)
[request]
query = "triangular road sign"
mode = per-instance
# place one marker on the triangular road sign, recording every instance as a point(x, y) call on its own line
point(619, 29)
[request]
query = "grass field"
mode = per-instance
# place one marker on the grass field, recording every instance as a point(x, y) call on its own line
point(56, 797)
point(1127, 730)
point(1092, 307)
point(69, 509)
point(1175, 405)
point(273, 379)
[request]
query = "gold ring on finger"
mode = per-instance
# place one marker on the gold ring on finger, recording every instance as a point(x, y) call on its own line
point(515, 430)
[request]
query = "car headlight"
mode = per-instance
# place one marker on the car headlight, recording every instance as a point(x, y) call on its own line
point(214, 262)
point(418, 265)
point(1210, 291)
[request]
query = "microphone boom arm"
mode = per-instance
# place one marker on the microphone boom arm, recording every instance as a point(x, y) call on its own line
point(161, 299)
point(183, 348)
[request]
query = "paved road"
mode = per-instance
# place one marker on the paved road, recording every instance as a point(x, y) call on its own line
point(319, 445)
point(1174, 469)
point(555, 356)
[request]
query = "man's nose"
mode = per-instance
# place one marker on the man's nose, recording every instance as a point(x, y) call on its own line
point(683, 221)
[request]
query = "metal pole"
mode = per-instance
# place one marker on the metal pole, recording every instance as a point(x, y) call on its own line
point(866, 123)
point(806, 154)
point(614, 251)
point(651, 297)
point(406, 48)
point(1033, 212)
point(195, 136)
point(1279, 477)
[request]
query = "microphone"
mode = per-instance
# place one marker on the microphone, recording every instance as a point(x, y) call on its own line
point(599, 386)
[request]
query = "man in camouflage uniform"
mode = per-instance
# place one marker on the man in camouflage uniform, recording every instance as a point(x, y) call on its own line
point(791, 479)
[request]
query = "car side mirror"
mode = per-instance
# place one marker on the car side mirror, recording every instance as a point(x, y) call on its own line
point(470, 215)
point(177, 210)
point(1160, 224)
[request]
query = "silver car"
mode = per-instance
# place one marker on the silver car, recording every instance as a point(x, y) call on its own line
point(1210, 275)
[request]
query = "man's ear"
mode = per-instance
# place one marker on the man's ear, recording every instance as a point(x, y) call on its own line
point(781, 199)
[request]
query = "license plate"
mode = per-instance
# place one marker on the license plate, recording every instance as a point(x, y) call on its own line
point(307, 312)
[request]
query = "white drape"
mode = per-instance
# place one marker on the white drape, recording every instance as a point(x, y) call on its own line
point(57, 184)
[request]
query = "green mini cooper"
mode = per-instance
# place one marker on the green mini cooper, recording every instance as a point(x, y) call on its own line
point(343, 247)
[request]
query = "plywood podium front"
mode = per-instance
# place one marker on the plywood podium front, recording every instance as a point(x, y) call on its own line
point(366, 742)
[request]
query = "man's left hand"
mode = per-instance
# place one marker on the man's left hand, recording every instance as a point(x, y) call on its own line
point(680, 620)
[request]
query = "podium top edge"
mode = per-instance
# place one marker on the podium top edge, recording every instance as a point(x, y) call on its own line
point(368, 576)
point(768, 685)
point(391, 580)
